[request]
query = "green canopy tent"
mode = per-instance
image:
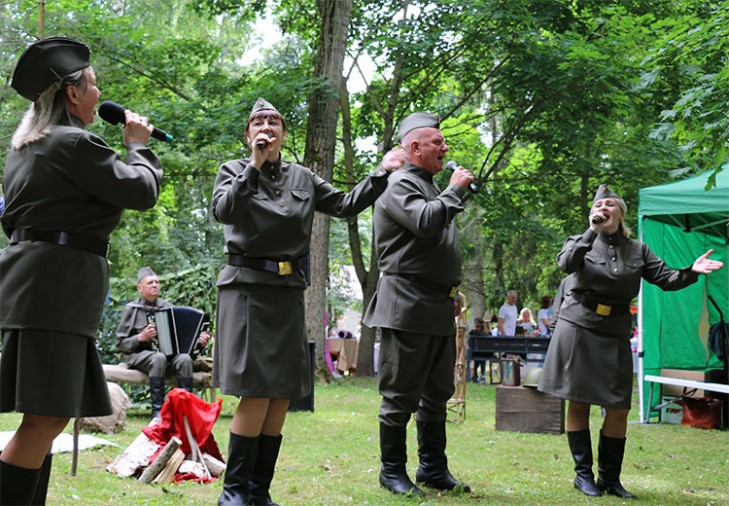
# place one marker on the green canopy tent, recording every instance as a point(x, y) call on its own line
point(680, 221)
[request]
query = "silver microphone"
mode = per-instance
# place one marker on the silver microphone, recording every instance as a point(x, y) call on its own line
point(452, 166)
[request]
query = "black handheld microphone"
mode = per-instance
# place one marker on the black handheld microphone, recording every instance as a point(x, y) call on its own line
point(452, 166)
point(596, 220)
point(113, 113)
point(262, 143)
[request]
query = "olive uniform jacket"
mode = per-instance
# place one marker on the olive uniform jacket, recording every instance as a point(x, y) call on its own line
point(133, 322)
point(610, 268)
point(69, 181)
point(418, 252)
point(268, 213)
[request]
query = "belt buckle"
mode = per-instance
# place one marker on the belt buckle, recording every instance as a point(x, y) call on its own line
point(603, 310)
point(453, 292)
point(285, 268)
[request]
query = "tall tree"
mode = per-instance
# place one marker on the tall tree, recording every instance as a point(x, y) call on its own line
point(320, 143)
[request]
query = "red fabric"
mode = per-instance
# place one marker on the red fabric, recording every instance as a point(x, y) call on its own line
point(201, 417)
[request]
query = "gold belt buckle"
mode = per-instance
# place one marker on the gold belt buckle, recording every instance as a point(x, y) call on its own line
point(453, 292)
point(285, 268)
point(603, 310)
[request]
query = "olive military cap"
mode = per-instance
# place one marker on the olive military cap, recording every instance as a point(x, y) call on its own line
point(144, 272)
point(48, 61)
point(603, 192)
point(263, 105)
point(417, 120)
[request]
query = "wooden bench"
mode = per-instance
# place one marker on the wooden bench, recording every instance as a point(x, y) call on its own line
point(121, 373)
point(685, 383)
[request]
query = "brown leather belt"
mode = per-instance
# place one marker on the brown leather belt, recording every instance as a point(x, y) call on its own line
point(83, 242)
point(598, 307)
point(449, 291)
point(280, 267)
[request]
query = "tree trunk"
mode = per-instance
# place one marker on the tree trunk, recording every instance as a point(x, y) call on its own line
point(320, 143)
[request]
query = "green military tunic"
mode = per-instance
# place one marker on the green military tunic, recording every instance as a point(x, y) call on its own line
point(589, 358)
point(51, 296)
point(261, 345)
point(420, 261)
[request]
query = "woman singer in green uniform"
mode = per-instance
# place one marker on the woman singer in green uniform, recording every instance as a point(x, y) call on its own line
point(65, 190)
point(261, 353)
point(589, 360)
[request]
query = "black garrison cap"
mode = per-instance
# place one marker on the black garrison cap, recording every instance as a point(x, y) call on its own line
point(417, 120)
point(46, 62)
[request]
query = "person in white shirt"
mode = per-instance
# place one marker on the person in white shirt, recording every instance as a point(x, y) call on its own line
point(507, 315)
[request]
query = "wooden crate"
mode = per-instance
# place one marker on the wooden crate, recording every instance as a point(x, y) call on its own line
point(525, 409)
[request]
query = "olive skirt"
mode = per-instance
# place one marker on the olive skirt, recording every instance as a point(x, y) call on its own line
point(585, 366)
point(51, 373)
point(261, 347)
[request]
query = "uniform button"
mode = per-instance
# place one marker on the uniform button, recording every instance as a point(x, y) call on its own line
point(611, 246)
point(615, 269)
point(273, 176)
point(614, 259)
point(280, 204)
point(278, 192)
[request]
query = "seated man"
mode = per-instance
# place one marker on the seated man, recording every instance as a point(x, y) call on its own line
point(478, 365)
point(137, 334)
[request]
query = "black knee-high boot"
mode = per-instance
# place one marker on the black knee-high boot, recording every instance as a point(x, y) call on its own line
point(433, 469)
point(268, 448)
point(239, 470)
point(609, 465)
point(185, 382)
point(17, 484)
point(581, 448)
point(393, 450)
point(157, 393)
point(44, 476)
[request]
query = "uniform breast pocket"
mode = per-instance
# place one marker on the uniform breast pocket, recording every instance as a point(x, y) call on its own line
point(300, 194)
point(635, 262)
point(594, 259)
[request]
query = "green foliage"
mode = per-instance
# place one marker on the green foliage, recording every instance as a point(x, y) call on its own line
point(542, 100)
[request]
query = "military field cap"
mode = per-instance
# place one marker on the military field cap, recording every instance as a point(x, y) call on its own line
point(603, 192)
point(47, 61)
point(144, 272)
point(263, 105)
point(417, 120)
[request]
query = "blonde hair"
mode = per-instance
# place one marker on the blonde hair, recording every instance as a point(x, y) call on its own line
point(50, 108)
point(625, 229)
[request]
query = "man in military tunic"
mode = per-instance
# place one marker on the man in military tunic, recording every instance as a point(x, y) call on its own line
point(420, 261)
point(137, 335)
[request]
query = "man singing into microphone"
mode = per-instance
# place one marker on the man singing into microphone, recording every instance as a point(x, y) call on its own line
point(420, 261)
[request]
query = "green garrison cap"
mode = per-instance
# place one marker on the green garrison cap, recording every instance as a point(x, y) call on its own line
point(144, 272)
point(417, 120)
point(263, 105)
point(603, 192)
point(47, 61)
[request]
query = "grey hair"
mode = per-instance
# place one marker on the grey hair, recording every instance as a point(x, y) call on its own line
point(50, 108)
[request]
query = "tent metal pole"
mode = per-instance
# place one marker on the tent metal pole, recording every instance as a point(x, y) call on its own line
point(641, 372)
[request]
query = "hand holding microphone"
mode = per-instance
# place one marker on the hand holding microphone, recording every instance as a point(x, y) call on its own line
point(262, 143)
point(452, 166)
point(113, 113)
point(599, 218)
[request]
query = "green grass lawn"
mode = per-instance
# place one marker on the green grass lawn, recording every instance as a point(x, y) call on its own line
point(331, 456)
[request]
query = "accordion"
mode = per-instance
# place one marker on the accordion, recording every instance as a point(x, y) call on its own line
point(178, 329)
